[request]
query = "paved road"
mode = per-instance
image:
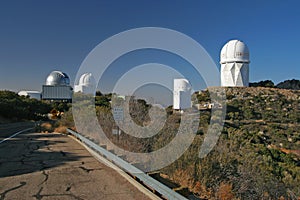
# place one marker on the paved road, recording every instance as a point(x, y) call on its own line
point(7, 130)
point(54, 166)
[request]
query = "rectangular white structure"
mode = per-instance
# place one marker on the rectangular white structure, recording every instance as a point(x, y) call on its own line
point(181, 94)
point(85, 89)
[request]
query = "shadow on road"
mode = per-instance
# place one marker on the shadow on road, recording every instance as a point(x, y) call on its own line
point(30, 152)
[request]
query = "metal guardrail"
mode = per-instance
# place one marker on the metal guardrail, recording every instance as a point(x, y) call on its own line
point(147, 180)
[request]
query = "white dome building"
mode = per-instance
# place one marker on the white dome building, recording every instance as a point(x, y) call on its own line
point(86, 84)
point(181, 94)
point(234, 60)
point(31, 94)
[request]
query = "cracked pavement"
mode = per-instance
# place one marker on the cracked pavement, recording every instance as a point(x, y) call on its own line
point(45, 166)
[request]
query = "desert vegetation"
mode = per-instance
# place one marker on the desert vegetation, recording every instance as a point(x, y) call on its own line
point(257, 155)
point(19, 108)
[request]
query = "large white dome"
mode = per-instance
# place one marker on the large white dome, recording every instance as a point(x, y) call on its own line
point(234, 51)
point(87, 79)
point(57, 78)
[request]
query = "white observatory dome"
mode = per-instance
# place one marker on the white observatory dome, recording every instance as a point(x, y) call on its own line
point(86, 84)
point(87, 79)
point(57, 78)
point(234, 51)
point(181, 84)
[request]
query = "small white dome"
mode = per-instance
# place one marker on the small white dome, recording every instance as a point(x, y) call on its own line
point(87, 79)
point(182, 84)
point(234, 51)
point(57, 78)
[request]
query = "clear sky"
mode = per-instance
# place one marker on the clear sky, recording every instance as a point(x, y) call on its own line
point(37, 37)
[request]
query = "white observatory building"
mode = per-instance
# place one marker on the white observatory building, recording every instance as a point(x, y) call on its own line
point(57, 87)
point(31, 94)
point(181, 94)
point(234, 60)
point(86, 85)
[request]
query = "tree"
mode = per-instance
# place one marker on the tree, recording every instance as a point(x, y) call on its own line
point(266, 83)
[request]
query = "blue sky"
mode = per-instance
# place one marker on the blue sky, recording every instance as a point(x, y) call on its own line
point(37, 37)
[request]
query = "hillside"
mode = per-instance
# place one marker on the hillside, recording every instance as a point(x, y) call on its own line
point(258, 152)
point(15, 108)
point(257, 155)
point(289, 84)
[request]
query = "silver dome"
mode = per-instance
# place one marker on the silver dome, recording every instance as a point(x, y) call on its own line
point(57, 78)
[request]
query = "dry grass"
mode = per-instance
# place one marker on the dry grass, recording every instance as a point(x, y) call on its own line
point(61, 129)
point(46, 127)
point(225, 191)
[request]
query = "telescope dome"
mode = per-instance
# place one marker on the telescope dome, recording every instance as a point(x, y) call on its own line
point(87, 79)
point(58, 78)
point(234, 51)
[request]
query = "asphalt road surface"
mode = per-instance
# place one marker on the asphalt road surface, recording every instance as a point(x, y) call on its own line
point(7, 130)
point(45, 166)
